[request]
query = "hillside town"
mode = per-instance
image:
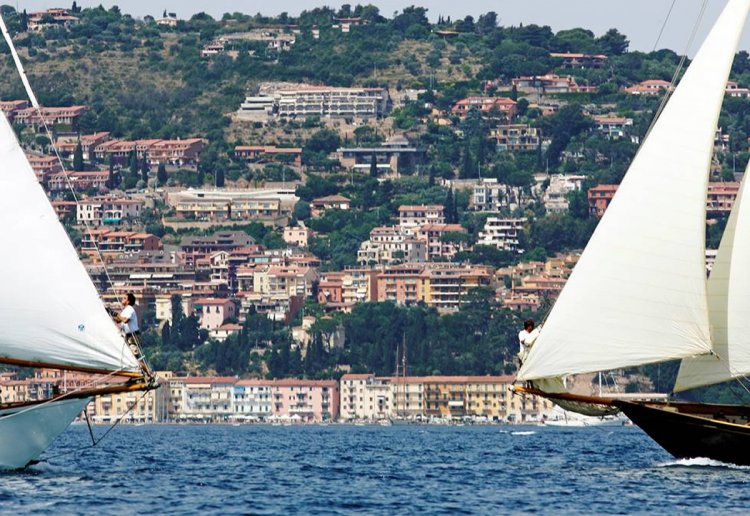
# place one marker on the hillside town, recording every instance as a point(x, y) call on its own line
point(316, 199)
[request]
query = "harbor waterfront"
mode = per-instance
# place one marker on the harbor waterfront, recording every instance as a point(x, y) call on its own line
point(340, 469)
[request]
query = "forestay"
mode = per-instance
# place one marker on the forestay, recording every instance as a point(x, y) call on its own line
point(50, 312)
point(728, 305)
point(638, 293)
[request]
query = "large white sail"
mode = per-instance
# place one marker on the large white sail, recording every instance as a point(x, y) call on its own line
point(728, 305)
point(638, 293)
point(50, 312)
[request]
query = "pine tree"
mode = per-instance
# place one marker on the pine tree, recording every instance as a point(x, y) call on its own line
point(134, 163)
point(78, 157)
point(144, 170)
point(161, 174)
point(373, 166)
point(111, 179)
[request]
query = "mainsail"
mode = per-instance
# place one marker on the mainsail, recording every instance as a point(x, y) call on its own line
point(50, 312)
point(728, 304)
point(638, 293)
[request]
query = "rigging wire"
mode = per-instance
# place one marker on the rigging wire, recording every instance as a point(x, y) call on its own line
point(94, 440)
point(48, 132)
point(664, 25)
point(680, 66)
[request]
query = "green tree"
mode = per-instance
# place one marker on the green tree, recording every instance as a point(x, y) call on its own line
point(78, 157)
point(161, 174)
point(219, 177)
point(373, 166)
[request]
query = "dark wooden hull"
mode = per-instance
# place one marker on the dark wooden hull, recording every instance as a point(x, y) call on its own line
point(686, 430)
point(689, 435)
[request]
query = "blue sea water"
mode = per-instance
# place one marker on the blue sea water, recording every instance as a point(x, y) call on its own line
point(341, 469)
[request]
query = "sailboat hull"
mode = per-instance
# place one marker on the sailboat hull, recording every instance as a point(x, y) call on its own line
point(26, 431)
point(689, 435)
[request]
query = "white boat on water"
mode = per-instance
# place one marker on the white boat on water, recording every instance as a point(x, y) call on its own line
point(75, 333)
point(566, 418)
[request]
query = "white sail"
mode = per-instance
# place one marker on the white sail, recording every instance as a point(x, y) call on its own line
point(50, 312)
point(728, 305)
point(638, 293)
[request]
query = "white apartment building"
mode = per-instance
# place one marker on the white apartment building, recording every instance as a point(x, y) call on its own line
point(413, 216)
point(502, 233)
point(365, 397)
point(556, 196)
point(290, 101)
point(389, 244)
point(201, 398)
point(252, 399)
point(97, 211)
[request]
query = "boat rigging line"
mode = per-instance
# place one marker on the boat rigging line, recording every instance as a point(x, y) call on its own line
point(680, 65)
point(94, 440)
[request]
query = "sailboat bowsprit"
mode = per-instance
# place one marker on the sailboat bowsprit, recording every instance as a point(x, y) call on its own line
point(639, 293)
point(50, 313)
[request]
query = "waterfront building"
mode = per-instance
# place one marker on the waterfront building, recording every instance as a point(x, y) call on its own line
point(305, 400)
point(365, 397)
point(252, 400)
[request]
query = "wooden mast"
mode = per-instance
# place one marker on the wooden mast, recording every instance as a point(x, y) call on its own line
point(64, 367)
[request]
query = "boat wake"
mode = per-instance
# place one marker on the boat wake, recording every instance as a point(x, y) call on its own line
point(700, 462)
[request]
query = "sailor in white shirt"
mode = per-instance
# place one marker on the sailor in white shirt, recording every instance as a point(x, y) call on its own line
point(526, 339)
point(128, 320)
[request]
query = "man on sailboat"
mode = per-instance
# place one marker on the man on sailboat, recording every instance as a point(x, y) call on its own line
point(526, 339)
point(128, 320)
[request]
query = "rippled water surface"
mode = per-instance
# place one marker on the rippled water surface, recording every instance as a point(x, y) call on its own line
point(373, 470)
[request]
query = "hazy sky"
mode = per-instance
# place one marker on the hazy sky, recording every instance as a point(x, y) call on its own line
point(640, 20)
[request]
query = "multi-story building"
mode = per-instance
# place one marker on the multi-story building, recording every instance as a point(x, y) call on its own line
point(448, 286)
point(78, 181)
point(262, 153)
point(252, 400)
point(305, 400)
point(179, 153)
point(437, 239)
point(330, 202)
point(391, 244)
point(99, 211)
point(201, 398)
point(395, 156)
point(297, 235)
point(734, 90)
point(649, 87)
point(613, 127)
point(332, 102)
point(502, 233)
point(503, 106)
point(571, 60)
point(516, 137)
point(49, 115)
point(110, 242)
point(365, 397)
point(550, 84)
point(9, 107)
point(200, 248)
point(344, 289)
point(556, 195)
point(599, 198)
point(212, 312)
point(44, 167)
point(233, 204)
point(89, 142)
point(56, 17)
point(721, 197)
point(413, 216)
